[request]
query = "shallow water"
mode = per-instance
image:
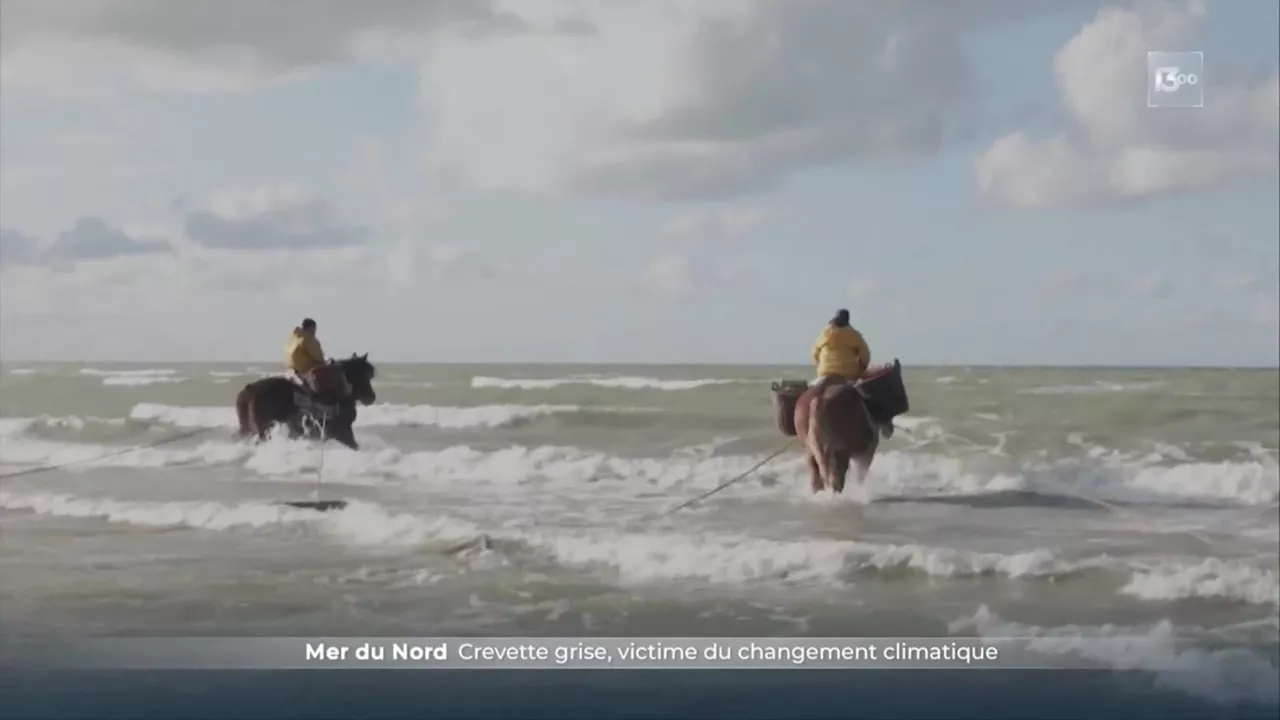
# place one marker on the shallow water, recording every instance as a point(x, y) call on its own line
point(490, 499)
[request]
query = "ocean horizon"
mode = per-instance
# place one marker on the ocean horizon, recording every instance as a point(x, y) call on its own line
point(606, 364)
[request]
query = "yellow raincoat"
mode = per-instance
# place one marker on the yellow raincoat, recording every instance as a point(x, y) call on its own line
point(841, 351)
point(303, 351)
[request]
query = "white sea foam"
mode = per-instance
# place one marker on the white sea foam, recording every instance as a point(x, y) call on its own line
point(24, 451)
point(895, 473)
point(17, 426)
point(1095, 388)
point(1226, 675)
point(368, 524)
point(913, 422)
point(138, 381)
point(629, 558)
point(359, 523)
point(134, 378)
point(642, 558)
point(632, 558)
point(1251, 482)
point(1208, 578)
point(621, 383)
point(379, 414)
point(151, 372)
point(206, 515)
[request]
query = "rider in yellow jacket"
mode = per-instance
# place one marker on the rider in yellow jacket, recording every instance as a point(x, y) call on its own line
point(303, 352)
point(840, 353)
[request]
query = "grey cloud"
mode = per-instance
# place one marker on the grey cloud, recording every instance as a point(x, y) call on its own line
point(92, 239)
point(810, 82)
point(282, 34)
point(309, 224)
point(89, 239)
point(17, 248)
point(576, 25)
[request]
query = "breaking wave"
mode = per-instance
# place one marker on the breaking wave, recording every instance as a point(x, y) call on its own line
point(378, 415)
point(1228, 675)
point(637, 558)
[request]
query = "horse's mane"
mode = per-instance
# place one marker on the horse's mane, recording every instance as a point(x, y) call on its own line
point(359, 363)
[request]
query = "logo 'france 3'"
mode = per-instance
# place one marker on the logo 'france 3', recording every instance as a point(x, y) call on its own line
point(1174, 79)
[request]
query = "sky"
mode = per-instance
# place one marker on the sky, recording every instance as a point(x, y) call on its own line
point(977, 181)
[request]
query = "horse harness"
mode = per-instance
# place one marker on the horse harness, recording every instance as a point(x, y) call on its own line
point(866, 403)
point(308, 399)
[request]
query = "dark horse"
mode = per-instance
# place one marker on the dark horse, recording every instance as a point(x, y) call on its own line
point(850, 423)
point(331, 406)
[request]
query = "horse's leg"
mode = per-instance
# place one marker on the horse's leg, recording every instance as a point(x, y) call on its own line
point(815, 442)
point(815, 475)
point(242, 413)
point(296, 429)
point(866, 457)
point(263, 420)
point(248, 414)
point(345, 435)
point(839, 472)
point(866, 440)
point(341, 426)
point(262, 426)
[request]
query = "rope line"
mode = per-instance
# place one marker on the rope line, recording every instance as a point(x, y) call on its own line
point(727, 483)
point(324, 431)
point(104, 456)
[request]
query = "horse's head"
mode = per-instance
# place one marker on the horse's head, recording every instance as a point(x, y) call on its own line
point(360, 373)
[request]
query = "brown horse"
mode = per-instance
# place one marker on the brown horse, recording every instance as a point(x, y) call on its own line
point(326, 412)
point(847, 431)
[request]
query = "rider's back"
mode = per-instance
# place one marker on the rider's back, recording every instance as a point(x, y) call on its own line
point(841, 351)
point(302, 351)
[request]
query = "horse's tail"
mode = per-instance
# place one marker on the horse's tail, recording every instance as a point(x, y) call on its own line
point(830, 458)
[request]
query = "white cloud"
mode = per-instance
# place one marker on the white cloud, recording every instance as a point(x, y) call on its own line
point(456, 262)
point(728, 222)
point(668, 100)
point(1150, 284)
point(694, 102)
point(863, 287)
point(413, 264)
point(702, 249)
point(1061, 281)
point(93, 47)
point(701, 99)
point(1266, 311)
point(1229, 278)
point(195, 304)
point(1118, 148)
point(269, 217)
point(670, 275)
